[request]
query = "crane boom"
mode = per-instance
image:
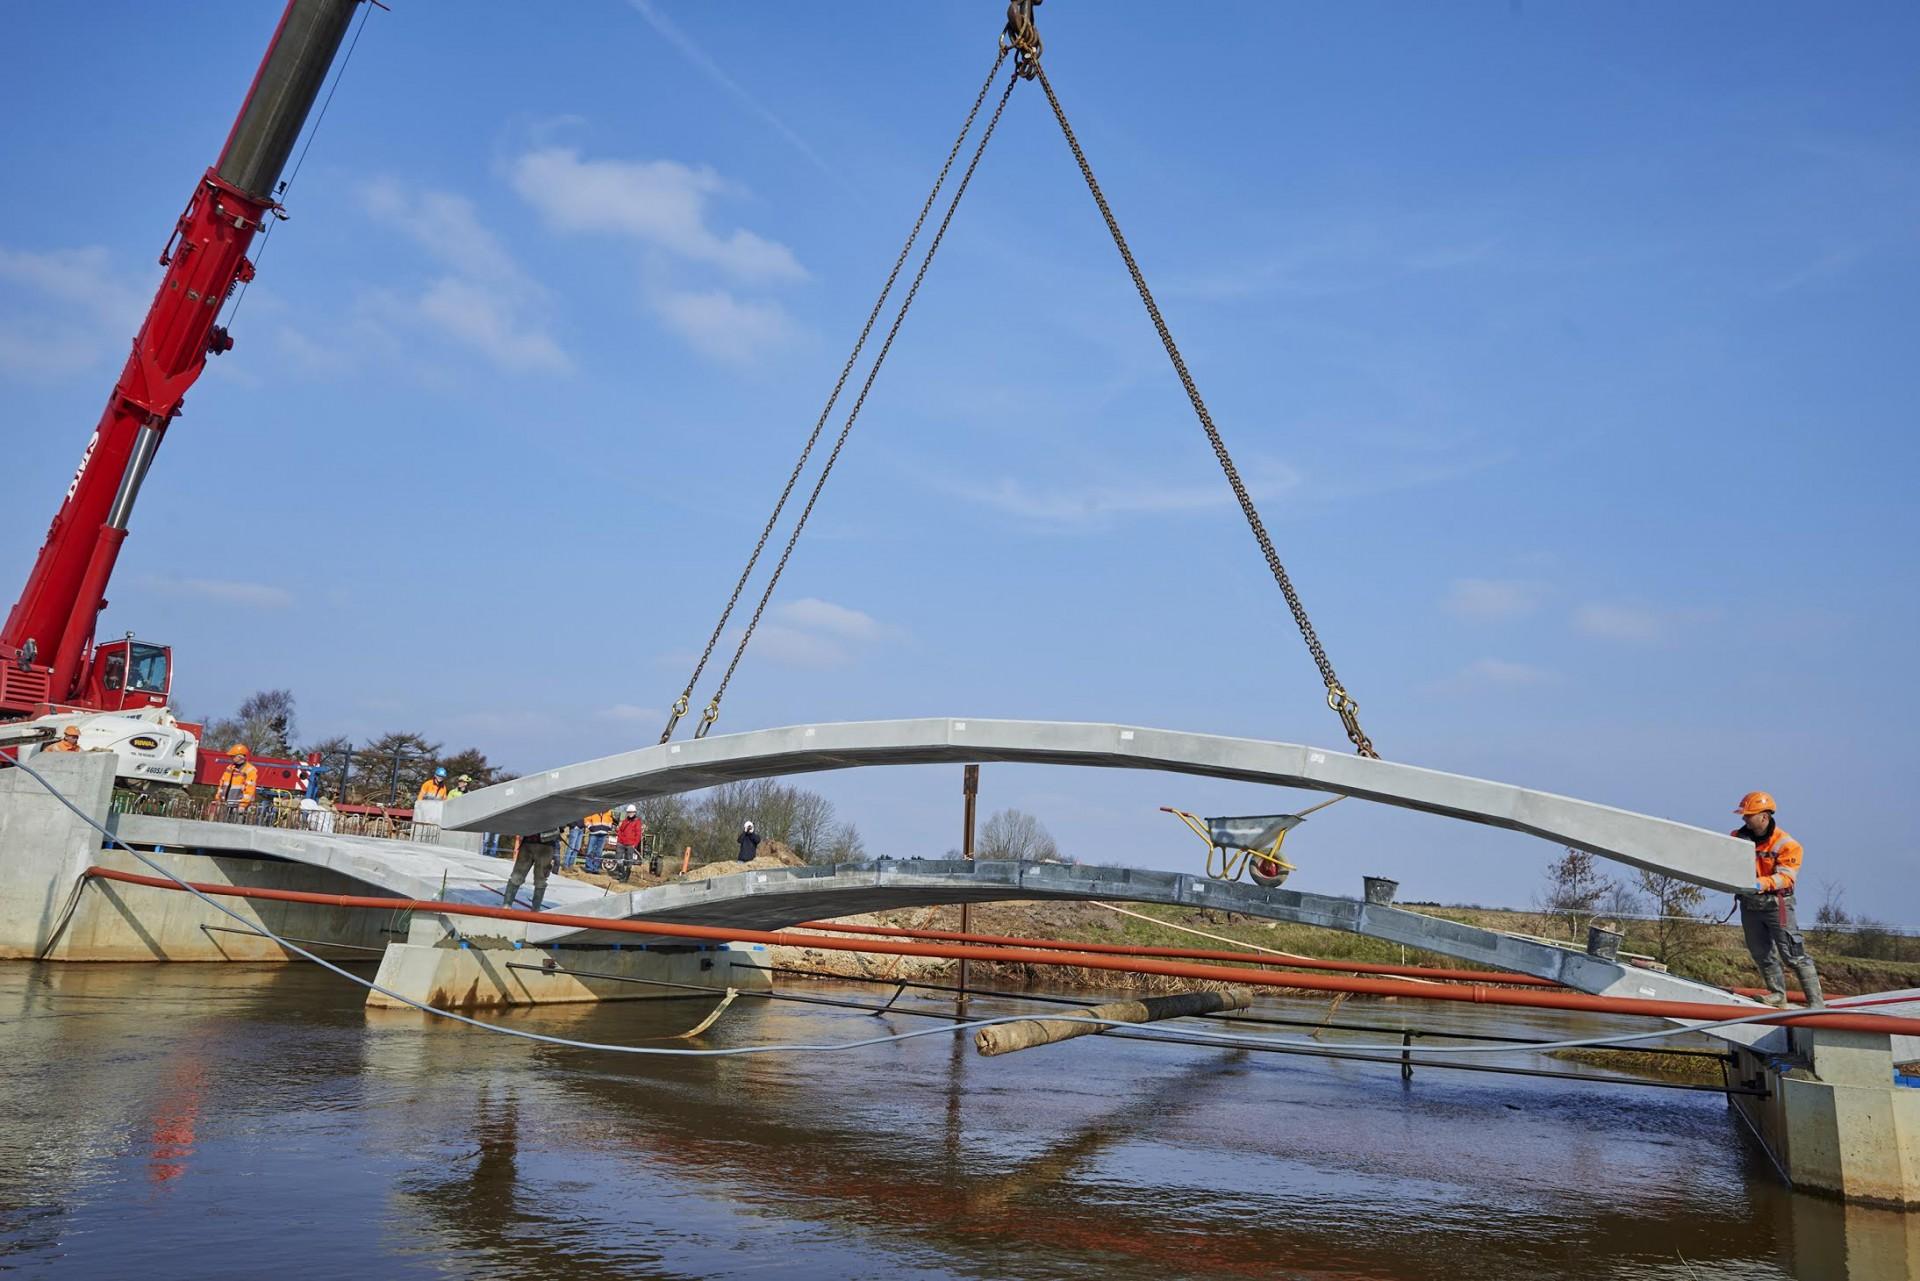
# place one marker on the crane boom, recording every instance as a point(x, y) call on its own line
point(47, 654)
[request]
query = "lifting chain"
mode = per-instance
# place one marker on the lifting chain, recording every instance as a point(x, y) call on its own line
point(712, 711)
point(1338, 698)
point(685, 700)
point(1022, 39)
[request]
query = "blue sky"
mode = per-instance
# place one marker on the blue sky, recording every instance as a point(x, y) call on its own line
point(1562, 346)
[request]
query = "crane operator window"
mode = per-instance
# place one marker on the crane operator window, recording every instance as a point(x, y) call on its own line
point(148, 671)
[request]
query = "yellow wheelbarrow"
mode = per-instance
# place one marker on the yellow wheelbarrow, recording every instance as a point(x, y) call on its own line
point(1250, 843)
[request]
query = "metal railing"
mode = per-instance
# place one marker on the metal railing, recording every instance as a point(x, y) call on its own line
point(280, 812)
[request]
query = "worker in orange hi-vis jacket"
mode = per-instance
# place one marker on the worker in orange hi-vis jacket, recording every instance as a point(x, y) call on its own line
point(69, 741)
point(238, 782)
point(1766, 911)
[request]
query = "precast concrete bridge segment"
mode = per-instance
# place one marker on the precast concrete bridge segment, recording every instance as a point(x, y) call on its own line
point(561, 795)
point(778, 898)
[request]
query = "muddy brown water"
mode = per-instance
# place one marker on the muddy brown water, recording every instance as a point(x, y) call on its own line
point(257, 1121)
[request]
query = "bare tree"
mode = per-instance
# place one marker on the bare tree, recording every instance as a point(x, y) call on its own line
point(1679, 929)
point(846, 846)
point(1574, 889)
point(1832, 918)
point(1621, 900)
point(1013, 834)
point(264, 722)
point(813, 825)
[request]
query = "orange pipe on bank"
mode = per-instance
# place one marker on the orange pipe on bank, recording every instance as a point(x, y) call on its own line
point(1403, 988)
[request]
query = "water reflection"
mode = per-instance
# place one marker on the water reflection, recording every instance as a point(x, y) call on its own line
point(145, 1103)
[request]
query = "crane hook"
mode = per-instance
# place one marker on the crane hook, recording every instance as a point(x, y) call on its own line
point(1022, 38)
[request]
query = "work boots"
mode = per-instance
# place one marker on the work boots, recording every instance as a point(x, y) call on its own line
point(1810, 984)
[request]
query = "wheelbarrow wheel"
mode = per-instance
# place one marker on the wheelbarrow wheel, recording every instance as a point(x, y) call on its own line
point(1267, 873)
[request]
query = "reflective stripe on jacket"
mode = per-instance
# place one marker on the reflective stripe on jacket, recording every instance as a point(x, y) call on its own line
point(1776, 860)
point(242, 778)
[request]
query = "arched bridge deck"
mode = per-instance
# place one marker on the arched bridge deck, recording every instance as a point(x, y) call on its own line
point(561, 795)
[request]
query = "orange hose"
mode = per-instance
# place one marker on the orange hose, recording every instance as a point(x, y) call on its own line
point(1475, 993)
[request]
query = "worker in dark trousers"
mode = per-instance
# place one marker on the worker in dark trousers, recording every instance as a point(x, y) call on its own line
point(1766, 911)
point(749, 843)
point(536, 856)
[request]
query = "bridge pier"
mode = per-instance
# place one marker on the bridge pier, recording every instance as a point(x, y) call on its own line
point(480, 973)
point(1833, 1120)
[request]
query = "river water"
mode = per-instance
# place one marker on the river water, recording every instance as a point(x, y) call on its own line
point(217, 1121)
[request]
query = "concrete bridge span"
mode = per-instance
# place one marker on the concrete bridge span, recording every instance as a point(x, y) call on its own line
point(554, 796)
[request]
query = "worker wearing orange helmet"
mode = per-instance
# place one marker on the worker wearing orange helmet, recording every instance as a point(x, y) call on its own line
point(69, 740)
point(1766, 911)
point(238, 781)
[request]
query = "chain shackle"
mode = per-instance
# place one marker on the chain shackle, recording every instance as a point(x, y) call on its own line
point(1347, 707)
point(707, 718)
point(680, 706)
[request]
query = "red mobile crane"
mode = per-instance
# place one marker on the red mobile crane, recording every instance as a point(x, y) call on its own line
point(51, 669)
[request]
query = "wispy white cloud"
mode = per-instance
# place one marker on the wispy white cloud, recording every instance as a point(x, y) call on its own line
point(1496, 673)
point(723, 327)
point(222, 591)
point(84, 312)
point(694, 54)
point(814, 634)
point(1343, 255)
point(660, 203)
point(1098, 505)
point(1493, 599)
point(797, 647)
point(483, 300)
point(631, 712)
point(834, 620)
point(1637, 624)
point(479, 316)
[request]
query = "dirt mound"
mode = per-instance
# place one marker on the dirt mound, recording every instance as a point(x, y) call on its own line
point(773, 854)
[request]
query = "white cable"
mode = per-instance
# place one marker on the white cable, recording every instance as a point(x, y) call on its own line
point(1386, 1053)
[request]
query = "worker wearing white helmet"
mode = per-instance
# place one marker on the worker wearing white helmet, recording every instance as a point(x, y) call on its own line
point(749, 842)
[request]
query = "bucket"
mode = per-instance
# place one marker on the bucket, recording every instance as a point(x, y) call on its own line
point(1603, 943)
point(1379, 889)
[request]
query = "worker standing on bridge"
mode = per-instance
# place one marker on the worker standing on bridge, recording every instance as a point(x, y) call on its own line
point(749, 842)
point(630, 836)
point(536, 856)
point(238, 782)
point(1766, 911)
point(599, 828)
point(435, 788)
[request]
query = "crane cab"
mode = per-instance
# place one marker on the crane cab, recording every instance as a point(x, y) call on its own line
point(128, 675)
